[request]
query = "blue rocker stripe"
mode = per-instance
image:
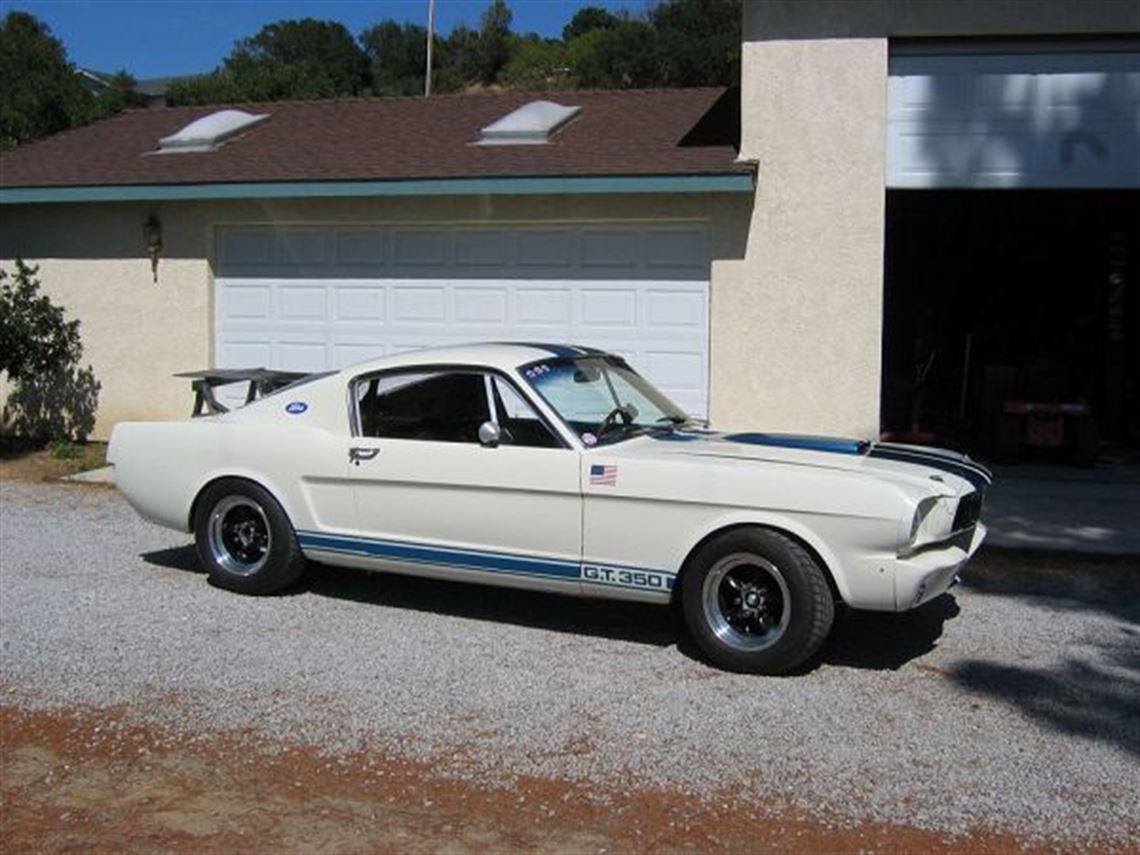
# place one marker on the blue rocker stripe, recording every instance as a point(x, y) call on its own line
point(471, 560)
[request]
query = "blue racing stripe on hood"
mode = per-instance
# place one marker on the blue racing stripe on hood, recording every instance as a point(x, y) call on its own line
point(978, 476)
point(834, 445)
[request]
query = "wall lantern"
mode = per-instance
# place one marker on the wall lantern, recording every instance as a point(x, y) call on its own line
point(152, 237)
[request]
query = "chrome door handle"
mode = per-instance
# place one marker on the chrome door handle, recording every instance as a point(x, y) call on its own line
point(358, 454)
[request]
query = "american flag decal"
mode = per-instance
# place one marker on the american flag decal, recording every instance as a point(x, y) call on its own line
point(603, 476)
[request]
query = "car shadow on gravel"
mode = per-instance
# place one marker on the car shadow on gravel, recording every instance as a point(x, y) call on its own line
point(175, 558)
point(636, 622)
point(865, 640)
point(886, 641)
point(1095, 691)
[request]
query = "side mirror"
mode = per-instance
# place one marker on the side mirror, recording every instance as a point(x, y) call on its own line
point(489, 435)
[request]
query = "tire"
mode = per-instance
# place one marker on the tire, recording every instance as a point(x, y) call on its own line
point(244, 539)
point(756, 602)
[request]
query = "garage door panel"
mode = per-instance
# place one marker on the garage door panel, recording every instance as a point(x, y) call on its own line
point(484, 248)
point(543, 307)
point(419, 248)
point(248, 301)
point(418, 304)
point(474, 305)
point(608, 308)
point(301, 356)
point(1049, 120)
point(549, 248)
point(246, 247)
point(685, 252)
point(360, 302)
point(638, 291)
point(675, 309)
point(361, 248)
point(303, 248)
point(303, 302)
point(616, 250)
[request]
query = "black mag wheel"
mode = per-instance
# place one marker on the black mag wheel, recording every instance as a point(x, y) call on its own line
point(245, 541)
point(746, 601)
point(756, 601)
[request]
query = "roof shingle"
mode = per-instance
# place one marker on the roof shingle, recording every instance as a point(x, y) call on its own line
point(636, 133)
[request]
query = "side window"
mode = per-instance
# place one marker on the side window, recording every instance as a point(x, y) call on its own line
point(438, 406)
point(518, 422)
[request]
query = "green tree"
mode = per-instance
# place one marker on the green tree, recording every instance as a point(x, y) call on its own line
point(538, 64)
point(625, 57)
point(587, 19)
point(119, 94)
point(458, 63)
point(698, 41)
point(51, 397)
point(40, 93)
point(495, 40)
point(398, 57)
point(285, 60)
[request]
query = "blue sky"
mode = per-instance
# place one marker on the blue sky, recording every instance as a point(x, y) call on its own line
point(158, 38)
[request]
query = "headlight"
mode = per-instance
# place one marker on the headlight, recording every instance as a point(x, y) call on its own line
point(931, 523)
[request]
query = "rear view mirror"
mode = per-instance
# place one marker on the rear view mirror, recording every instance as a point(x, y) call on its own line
point(489, 435)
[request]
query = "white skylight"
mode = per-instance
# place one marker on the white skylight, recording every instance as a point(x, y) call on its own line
point(209, 132)
point(531, 124)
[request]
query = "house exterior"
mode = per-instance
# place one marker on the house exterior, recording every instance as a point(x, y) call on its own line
point(749, 271)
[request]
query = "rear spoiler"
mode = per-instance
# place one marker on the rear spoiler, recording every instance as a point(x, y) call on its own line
point(261, 382)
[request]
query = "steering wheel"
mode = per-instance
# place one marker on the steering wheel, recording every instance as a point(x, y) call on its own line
point(611, 419)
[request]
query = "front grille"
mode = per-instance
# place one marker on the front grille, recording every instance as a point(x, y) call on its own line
point(969, 510)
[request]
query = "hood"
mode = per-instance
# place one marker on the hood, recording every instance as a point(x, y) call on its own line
point(943, 471)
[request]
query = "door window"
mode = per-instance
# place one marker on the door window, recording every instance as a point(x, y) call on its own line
point(447, 406)
point(438, 406)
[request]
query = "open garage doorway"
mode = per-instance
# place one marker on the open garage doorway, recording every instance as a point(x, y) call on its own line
point(1012, 322)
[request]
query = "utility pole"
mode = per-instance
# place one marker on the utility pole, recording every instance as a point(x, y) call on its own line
point(431, 40)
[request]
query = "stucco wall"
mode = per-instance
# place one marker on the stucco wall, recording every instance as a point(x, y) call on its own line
point(807, 319)
point(137, 333)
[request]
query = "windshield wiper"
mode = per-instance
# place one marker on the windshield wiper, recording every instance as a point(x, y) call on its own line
point(675, 420)
point(623, 431)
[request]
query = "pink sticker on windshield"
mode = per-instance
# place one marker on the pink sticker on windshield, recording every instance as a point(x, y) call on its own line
point(589, 439)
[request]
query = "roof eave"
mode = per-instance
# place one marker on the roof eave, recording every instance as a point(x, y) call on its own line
point(727, 182)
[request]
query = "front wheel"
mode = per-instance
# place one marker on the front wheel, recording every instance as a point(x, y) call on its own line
point(245, 541)
point(755, 601)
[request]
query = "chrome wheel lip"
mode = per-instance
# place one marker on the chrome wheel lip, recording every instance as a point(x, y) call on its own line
point(221, 529)
point(718, 621)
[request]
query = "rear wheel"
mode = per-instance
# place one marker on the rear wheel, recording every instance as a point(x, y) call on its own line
point(756, 601)
point(245, 541)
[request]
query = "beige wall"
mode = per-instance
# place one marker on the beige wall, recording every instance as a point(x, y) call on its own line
point(137, 333)
point(807, 316)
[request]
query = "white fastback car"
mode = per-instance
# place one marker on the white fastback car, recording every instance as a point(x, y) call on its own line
point(559, 468)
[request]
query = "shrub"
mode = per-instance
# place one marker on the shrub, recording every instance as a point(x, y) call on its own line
point(51, 397)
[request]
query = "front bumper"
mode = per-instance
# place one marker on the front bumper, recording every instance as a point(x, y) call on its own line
point(921, 577)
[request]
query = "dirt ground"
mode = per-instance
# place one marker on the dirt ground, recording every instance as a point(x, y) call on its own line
point(82, 781)
point(21, 463)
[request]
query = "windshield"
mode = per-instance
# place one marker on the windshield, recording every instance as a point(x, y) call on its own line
point(601, 398)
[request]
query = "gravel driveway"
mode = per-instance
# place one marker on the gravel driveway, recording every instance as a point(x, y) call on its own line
point(1012, 705)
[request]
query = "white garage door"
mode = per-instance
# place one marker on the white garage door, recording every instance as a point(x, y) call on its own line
point(1014, 120)
point(306, 299)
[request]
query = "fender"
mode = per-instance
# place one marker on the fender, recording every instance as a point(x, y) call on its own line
point(779, 522)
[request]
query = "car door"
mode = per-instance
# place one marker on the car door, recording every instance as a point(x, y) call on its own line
point(432, 499)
